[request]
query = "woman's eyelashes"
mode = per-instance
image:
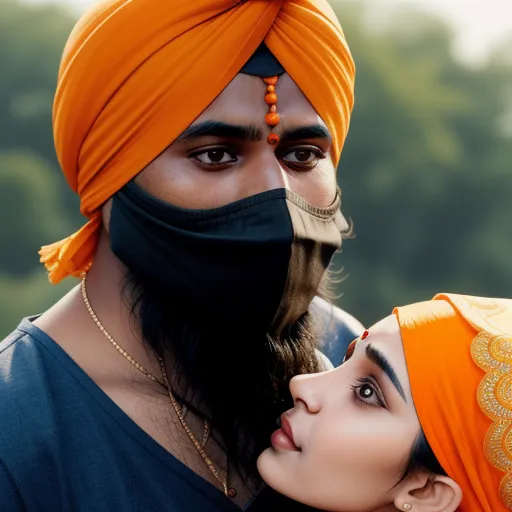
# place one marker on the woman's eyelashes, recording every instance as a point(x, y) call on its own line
point(367, 392)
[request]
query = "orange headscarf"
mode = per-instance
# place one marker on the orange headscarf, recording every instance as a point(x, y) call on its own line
point(459, 351)
point(136, 73)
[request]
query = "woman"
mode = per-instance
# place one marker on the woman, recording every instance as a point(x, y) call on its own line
point(419, 417)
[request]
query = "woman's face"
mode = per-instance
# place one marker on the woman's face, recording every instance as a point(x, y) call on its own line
point(344, 445)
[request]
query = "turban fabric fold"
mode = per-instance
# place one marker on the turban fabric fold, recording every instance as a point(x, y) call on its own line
point(136, 73)
point(459, 355)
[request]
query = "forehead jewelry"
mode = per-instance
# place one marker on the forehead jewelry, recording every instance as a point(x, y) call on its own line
point(352, 346)
point(272, 118)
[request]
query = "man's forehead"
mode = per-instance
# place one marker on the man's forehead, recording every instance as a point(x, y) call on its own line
point(242, 103)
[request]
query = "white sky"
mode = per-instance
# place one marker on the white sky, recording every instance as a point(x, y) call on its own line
point(479, 23)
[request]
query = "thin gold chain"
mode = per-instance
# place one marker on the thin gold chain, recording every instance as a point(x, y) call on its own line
point(165, 383)
point(118, 347)
point(128, 357)
point(223, 480)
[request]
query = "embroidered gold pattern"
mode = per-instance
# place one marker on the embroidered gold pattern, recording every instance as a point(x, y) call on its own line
point(493, 353)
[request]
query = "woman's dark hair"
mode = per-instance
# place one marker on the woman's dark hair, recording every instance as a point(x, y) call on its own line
point(422, 458)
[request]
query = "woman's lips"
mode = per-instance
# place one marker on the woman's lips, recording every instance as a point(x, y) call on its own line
point(283, 438)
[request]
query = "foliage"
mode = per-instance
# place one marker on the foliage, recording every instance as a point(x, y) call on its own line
point(29, 196)
point(425, 171)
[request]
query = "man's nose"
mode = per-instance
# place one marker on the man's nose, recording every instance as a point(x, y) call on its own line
point(263, 172)
point(307, 389)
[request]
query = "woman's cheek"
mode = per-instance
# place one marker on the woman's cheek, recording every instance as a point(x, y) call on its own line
point(331, 442)
point(351, 440)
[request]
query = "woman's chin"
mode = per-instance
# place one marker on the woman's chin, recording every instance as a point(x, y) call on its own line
point(264, 463)
point(275, 472)
point(276, 468)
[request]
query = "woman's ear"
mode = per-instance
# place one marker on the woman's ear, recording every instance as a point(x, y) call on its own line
point(424, 492)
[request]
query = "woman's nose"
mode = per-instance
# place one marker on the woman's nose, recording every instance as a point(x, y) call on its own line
point(306, 389)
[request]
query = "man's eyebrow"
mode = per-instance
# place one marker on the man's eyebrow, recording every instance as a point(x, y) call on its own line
point(378, 358)
point(222, 130)
point(314, 131)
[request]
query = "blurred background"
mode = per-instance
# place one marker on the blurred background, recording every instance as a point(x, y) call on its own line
point(426, 173)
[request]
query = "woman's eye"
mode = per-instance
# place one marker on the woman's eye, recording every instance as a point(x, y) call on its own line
point(303, 157)
point(366, 391)
point(366, 394)
point(214, 157)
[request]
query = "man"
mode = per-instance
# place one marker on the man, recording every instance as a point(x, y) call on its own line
point(202, 138)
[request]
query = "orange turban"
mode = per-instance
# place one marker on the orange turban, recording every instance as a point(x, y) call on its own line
point(459, 351)
point(136, 73)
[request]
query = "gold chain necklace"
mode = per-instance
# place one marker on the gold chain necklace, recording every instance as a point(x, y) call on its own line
point(230, 492)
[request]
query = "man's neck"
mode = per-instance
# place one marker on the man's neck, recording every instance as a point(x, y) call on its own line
point(70, 320)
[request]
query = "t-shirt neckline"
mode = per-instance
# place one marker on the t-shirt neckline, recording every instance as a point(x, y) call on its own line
point(123, 420)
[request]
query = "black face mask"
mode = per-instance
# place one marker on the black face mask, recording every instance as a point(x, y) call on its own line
point(257, 262)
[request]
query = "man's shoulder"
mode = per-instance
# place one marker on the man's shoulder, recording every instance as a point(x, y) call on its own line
point(23, 393)
point(335, 327)
point(19, 349)
point(17, 354)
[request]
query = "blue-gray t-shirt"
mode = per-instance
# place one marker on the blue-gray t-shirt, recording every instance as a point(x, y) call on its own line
point(66, 446)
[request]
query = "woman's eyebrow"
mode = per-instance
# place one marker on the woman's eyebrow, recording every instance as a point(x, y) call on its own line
point(380, 360)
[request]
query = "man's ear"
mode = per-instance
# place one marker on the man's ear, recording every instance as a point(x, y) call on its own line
point(106, 210)
point(423, 492)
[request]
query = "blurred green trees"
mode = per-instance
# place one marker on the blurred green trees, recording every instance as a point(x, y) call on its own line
point(35, 206)
point(426, 170)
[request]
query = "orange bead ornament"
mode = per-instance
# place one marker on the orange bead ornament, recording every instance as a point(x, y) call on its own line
point(271, 98)
point(273, 139)
point(272, 118)
point(271, 80)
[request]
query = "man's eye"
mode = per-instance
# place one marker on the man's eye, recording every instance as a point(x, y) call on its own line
point(303, 157)
point(214, 157)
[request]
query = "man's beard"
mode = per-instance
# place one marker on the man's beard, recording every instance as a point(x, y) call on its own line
point(232, 375)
